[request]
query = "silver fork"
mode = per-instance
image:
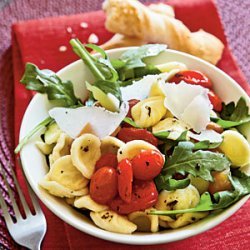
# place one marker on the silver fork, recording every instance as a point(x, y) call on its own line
point(29, 231)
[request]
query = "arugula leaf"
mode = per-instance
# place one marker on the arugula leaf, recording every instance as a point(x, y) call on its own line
point(206, 145)
point(46, 81)
point(127, 76)
point(109, 87)
point(163, 135)
point(223, 199)
point(101, 67)
point(129, 121)
point(38, 127)
point(233, 115)
point(199, 163)
point(134, 57)
point(170, 184)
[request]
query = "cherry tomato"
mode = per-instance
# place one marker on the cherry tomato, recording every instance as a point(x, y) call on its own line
point(131, 104)
point(144, 196)
point(221, 183)
point(215, 100)
point(125, 179)
point(147, 165)
point(130, 134)
point(103, 185)
point(108, 159)
point(192, 77)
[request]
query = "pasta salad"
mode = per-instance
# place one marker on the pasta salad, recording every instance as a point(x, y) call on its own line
point(152, 147)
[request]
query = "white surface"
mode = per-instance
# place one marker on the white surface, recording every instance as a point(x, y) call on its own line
point(35, 167)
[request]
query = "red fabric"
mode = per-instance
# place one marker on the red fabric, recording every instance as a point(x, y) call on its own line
point(38, 41)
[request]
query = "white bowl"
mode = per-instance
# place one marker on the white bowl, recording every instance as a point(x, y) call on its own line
point(35, 166)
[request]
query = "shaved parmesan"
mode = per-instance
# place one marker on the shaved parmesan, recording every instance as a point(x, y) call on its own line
point(189, 103)
point(102, 122)
point(206, 135)
point(140, 89)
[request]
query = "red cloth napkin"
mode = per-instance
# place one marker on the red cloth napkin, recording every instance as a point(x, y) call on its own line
point(41, 41)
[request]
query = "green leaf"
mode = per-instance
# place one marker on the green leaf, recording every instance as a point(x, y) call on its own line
point(134, 57)
point(233, 115)
point(129, 121)
point(163, 135)
point(223, 199)
point(109, 87)
point(199, 163)
point(170, 184)
point(206, 145)
point(46, 81)
point(101, 68)
point(38, 127)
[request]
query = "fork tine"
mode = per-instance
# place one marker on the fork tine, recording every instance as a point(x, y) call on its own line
point(13, 201)
point(20, 193)
point(5, 211)
point(33, 197)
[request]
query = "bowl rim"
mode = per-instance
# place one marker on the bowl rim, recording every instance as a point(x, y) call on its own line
point(138, 239)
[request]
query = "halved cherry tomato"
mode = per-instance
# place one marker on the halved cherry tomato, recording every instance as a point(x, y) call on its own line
point(130, 134)
point(108, 159)
point(103, 185)
point(144, 196)
point(147, 165)
point(192, 77)
point(215, 100)
point(125, 179)
point(131, 104)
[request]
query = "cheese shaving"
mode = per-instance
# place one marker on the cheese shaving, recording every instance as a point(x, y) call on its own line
point(189, 103)
point(102, 122)
point(141, 89)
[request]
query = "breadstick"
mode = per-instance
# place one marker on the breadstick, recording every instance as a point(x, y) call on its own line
point(133, 19)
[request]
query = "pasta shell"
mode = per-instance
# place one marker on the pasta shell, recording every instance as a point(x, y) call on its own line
point(61, 148)
point(174, 126)
point(235, 147)
point(113, 222)
point(133, 148)
point(59, 190)
point(187, 218)
point(52, 134)
point(110, 144)
point(172, 66)
point(144, 221)
point(148, 112)
point(88, 203)
point(85, 152)
point(65, 173)
point(45, 148)
point(70, 201)
point(163, 223)
point(176, 200)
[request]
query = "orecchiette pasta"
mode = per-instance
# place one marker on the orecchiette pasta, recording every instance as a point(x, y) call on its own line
point(88, 203)
point(110, 144)
point(176, 200)
point(148, 112)
point(113, 222)
point(133, 148)
point(174, 126)
point(59, 190)
point(64, 180)
point(187, 218)
point(144, 221)
point(44, 147)
point(85, 152)
point(174, 67)
point(61, 148)
point(52, 134)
